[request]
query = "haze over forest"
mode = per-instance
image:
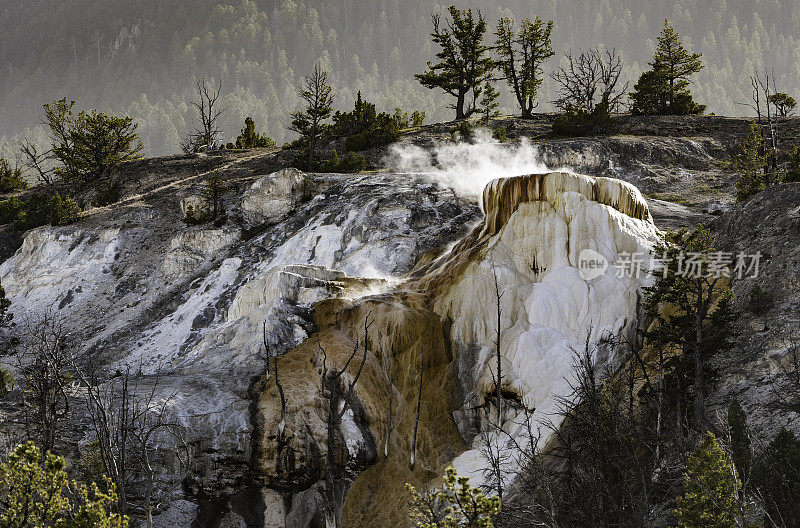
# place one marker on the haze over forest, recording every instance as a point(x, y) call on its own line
point(142, 57)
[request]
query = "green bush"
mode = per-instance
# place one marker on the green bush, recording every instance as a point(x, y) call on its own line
point(39, 209)
point(108, 193)
point(63, 211)
point(464, 130)
point(793, 169)
point(582, 123)
point(10, 178)
point(499, 134)
point(9, 209)
point(350, 163)
point(364, 128)
point(6, 381)
point(250, 139)
point(417, 118)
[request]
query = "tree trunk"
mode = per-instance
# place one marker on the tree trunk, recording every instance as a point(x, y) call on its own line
point(699, 380)
point(460, 106)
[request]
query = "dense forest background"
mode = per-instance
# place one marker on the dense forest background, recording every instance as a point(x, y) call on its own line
point(142, 57)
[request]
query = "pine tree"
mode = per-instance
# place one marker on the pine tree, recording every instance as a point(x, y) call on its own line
point(665, 88)
point(249, 138)
point(674, 62)
point(310, 123)
point(465, 64)
point(709, 491)
point(213, 193)
point(700, 316)
point(749, 162)
point(35, 492)
point(488, 102)
point(740, 438)
point(778, 478)
point(522, 56)
point(784, 103)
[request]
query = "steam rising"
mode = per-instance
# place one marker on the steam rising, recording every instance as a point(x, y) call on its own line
point(467, 166)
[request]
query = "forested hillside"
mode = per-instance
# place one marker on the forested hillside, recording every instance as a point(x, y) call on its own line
point(142, 57)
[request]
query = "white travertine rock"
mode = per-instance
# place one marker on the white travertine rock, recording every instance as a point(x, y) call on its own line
point(270, 198)
point(189, 248)
point(535, 229)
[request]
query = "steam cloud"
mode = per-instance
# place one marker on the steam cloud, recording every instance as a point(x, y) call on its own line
point(467, 166)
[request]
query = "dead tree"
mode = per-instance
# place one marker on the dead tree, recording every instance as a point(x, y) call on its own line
point(419, 404)
point(589, 79)
point(37, 161)
point(498, 382)
point(130, 422)
point(281, 394)
point(388, 371)
point(763, 86)
point(338, 395)
point(150, 422)
point(206, 133)
point(44, 362)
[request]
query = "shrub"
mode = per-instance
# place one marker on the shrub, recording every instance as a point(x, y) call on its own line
point(499, 134)
point(39, 209)
point(583, 123)
point(249, 138)
point(400, 119)
point(417, 118)
point(350, 163)
point(6, 381)
point(793, 169)
point(108, 193)
point(760, 301)
point(63, 211)
point(463, 130)
point(36, 491)
point(9, 209)
point(10, 178)
point(364, 128)
point(456, 505)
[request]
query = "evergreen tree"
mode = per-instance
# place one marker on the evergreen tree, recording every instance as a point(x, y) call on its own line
point(11, 178)
point(750, 162)
point(456, 505)
point(779, 480)
point(691, 311)
point(465, 64)
point(665, 88)
point(310, 123)
point(488, 102)
point(213, 193)
point(522, 56)
point(793, 169)
point(740, 438)
point(784, 103)
point(249, 138)
point(102, 142)
point(35, 492)
point(709, 488)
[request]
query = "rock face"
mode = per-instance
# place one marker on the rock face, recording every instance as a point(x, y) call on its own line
point(305, 261)
point(135, 286)
point(769, 326)
point(270, 199)
point(529, 253)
